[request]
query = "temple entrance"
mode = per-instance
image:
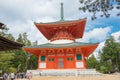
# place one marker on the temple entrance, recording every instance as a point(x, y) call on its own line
point(60, 62)
point(51, 63)
point(70, 63)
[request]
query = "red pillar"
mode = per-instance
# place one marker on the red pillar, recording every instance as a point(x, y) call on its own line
point(38, 61)
point(55, 65)
point(65, 58)
point(83, 59)
point(74, 52)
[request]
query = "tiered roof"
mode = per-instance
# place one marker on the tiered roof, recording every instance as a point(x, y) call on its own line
point(75, 27)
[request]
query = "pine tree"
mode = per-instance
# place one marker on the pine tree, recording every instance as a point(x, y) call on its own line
point(109, 55)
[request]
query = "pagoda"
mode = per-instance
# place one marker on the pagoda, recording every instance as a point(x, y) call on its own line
point(63, 52)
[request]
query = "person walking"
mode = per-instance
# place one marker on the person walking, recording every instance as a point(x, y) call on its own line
point(12, 75)
point(30, 75)
point(5, 75)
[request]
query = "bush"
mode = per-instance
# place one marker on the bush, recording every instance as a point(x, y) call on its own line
point(12, 69)
point(107, 68)
point(103, 69)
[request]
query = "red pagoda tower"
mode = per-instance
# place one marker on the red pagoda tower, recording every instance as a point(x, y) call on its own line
point(63, 52)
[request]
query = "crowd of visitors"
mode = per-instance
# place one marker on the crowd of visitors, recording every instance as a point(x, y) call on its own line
point(19, 75)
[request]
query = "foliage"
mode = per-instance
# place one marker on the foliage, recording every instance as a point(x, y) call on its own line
point(92, 62)
point(96, 6)
point(32, 62)
point(4, 33)
point(103, 69)
point(23, 58)
point(106, 68)
point(6, 60)
point(110, 56)
point(17, 60)
point(12, 69)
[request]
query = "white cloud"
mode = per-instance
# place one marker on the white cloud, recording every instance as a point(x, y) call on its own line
point(29, 27)
point(116, 35)
point(20, 15)
point(28, 8)
point(32, 9)
point(99, 48)
point(97, 34)
point(45, 19)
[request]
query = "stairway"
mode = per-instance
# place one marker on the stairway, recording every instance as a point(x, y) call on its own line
point(64, 72)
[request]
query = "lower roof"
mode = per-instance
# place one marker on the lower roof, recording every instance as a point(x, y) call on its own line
point(86, 48)
point(49, 45)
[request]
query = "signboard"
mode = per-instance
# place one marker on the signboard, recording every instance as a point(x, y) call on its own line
point(79, 64)
point(69, 54)
point(60, 54)
point(42, 65)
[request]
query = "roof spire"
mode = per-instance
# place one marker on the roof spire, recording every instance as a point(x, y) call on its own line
point(62, 13)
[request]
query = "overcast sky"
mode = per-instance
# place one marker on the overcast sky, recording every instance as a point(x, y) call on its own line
point(20, 15)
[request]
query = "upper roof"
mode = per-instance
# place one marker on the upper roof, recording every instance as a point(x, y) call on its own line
point(6, 44)
point(75, 27)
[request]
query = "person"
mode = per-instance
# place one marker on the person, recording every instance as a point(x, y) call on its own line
point(27, 75)
point(30, 75)
point(40, 73)
point(22, 75)
point(8, 78)
point(12, 75)
point(17, 75)
point(5, 75)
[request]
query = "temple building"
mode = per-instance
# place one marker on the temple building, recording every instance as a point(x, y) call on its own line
point(63, 52)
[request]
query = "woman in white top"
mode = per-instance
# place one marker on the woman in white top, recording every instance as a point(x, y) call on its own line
point(12, 75)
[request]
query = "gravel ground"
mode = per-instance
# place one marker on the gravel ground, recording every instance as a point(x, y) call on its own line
point(115, 76)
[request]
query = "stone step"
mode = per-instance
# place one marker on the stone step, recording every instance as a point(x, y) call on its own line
point(68, 72)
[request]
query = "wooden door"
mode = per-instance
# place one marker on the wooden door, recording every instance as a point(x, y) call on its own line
point(70, 63)
point(51, 63)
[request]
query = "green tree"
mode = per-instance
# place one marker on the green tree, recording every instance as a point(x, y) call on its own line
point(21, 57)
point(17, 60)
point(6, 60)
point(23, 60)
point(33, 60)
point(10, 37)
point(92, 62)
point(109, 55)
point(4, 33)
point(118, 54)
point(20, 39)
